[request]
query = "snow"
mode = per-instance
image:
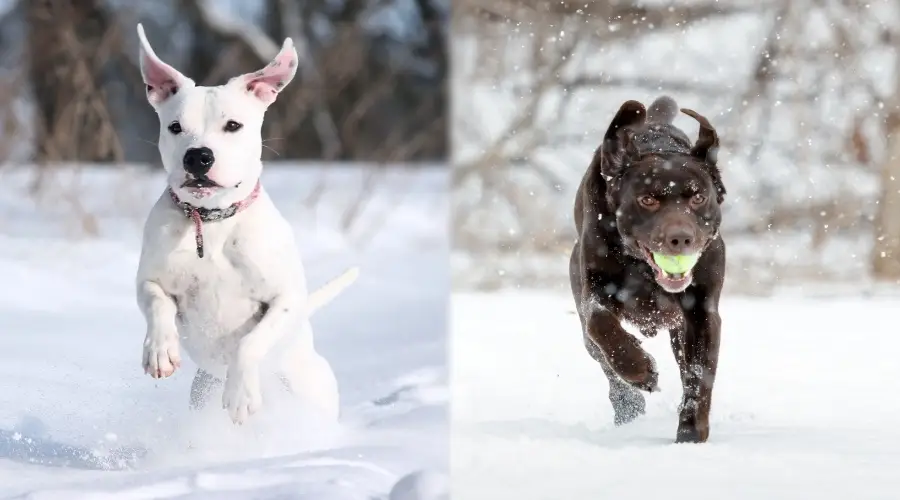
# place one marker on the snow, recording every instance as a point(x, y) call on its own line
point(805, 405)
point(79, 419)
point(418, 485)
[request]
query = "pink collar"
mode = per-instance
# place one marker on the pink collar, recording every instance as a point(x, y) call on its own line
point(200, 215)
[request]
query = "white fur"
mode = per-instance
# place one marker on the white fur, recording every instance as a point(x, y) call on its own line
point(210, 306)
point(202, 113)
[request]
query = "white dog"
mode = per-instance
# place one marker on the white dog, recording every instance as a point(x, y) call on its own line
point(219, 271)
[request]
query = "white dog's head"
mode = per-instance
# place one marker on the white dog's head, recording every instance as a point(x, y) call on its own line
point(210, 137)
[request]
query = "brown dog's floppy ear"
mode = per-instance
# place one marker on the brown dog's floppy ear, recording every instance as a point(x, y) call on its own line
point(707, 146)
point(616, 141)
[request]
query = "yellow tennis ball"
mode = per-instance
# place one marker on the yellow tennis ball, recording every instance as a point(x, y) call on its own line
point(676, 264)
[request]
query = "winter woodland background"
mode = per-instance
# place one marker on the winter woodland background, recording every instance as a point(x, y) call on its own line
point(371, 86)
point(805, 95)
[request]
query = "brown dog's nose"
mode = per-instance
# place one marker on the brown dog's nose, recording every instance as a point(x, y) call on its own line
point(678, 238)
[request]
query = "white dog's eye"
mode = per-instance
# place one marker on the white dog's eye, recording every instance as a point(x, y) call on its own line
point(175, 128)
point(232, 126)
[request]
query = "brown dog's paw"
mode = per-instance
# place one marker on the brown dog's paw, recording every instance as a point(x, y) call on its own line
point(692, 433)
point(650, 382)
point(638, 370)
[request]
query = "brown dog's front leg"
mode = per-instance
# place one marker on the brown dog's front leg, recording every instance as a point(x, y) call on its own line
point(622, 351)
point(697, 352)
point(627, 402)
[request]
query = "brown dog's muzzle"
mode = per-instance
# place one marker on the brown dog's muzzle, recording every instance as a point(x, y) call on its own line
point(677, 235)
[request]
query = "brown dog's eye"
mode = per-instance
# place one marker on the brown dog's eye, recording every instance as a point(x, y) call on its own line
point(648, 202)
point(698, 199)
point(232, 126)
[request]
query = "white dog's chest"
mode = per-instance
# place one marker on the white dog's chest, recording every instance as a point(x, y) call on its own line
point(220, 298)
point(249, 262)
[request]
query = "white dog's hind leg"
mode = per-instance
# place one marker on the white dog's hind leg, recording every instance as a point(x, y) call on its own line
point(309, 376)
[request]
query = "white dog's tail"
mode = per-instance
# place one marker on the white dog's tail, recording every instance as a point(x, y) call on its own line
point(330, 290)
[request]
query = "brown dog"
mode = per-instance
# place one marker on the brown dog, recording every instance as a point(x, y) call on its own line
point(648, 191)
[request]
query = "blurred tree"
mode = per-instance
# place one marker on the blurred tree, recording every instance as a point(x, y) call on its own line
point(69, 44)
point(370, 86)
point(886, 250)
point(361, 94)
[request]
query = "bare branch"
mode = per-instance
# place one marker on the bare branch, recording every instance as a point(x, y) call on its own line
point(613, 20)
point(235, 30)
point(591, 81)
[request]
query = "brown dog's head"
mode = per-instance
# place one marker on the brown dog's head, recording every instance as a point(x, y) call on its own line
point(666, 193)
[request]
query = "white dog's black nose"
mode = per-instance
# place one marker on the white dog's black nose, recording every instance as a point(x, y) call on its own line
point(198, 161)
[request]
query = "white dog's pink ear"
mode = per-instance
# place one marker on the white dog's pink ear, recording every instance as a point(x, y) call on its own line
point(266, 83)
point(162, 80)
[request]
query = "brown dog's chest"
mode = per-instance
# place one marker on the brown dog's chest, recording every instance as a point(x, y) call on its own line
point(651, 309)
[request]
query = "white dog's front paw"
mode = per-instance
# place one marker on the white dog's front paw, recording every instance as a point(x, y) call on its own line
point(242, 396)
point(161, 355)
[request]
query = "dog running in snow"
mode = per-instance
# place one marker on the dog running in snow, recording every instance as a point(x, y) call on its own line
point(650, 191)
point(219, 272)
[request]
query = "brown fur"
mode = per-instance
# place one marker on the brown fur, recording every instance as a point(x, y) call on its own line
point(643, 155)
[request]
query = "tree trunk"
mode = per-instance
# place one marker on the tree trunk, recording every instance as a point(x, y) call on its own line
point(68, 47)
point(886, 251)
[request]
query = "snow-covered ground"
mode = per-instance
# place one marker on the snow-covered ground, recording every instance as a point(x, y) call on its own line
point(79, 419)
point(805, 405)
